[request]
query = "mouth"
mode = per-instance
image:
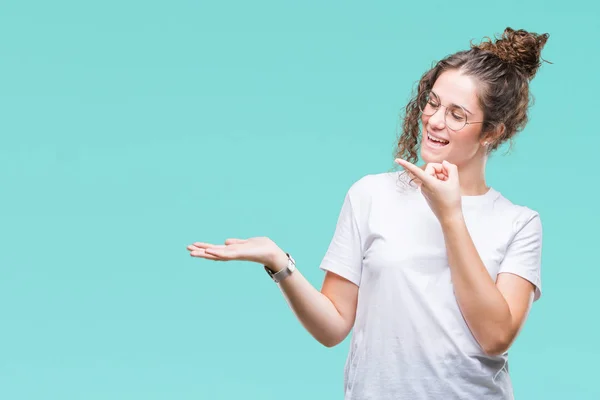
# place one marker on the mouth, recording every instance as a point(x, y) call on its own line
point(436, 141)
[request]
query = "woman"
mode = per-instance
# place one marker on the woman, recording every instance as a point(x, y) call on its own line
point(434, 271)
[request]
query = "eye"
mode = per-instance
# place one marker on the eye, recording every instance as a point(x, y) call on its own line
point(433, 102)
point(458, 115)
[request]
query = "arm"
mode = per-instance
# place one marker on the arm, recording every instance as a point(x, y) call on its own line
point(494, 312)
point(327, 315)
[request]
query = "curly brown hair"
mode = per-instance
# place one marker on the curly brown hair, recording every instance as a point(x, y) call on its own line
point(503, 67)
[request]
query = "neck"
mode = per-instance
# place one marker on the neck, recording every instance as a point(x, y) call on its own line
point(472, 177)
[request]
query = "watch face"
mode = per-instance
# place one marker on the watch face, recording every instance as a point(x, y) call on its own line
point(292, 264)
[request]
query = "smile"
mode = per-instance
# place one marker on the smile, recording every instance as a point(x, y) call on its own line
point(436, 140)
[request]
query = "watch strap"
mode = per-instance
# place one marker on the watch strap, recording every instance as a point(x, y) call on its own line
point(284, 272)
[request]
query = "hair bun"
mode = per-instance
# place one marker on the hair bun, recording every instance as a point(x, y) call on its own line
point(518, 47)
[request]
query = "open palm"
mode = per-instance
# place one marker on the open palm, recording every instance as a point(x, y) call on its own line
point(257, 249)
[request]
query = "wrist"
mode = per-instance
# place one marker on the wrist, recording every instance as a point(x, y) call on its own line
point(452, 219)
point(277, 261)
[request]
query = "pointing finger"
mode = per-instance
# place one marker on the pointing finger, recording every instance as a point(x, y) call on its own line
point(416, 171)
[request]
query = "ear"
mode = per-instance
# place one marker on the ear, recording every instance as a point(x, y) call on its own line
point(493, 135)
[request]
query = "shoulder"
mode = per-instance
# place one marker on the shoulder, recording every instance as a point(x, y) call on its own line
point(371, 185)
point(377, 191)
point(521, 216)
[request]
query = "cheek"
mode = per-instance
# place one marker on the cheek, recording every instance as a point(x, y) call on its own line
point(465, 143)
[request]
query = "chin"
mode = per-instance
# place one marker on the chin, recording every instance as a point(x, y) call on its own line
point(429, 156)
point(435, 148)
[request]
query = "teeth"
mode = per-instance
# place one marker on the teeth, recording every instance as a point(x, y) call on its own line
point(436, 139)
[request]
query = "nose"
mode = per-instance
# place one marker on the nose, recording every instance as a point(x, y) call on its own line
point(437, 120)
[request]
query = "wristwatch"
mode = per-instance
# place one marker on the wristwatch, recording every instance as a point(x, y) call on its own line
point(285, 272)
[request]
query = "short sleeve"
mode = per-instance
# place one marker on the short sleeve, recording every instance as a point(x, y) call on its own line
point(344, 255)
point(523, 255)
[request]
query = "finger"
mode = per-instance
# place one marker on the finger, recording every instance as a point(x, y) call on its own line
point(202, 254)
point(416, 181)
point(450, 169)
point(435, 168)
point(202, 245)
point(449, 166)
point(235, 241)
point(440, 172)
point(438, 175)
point(430, 170)
point(227, 253)
point(194, 247)
point(416, 171)
point(438, 167)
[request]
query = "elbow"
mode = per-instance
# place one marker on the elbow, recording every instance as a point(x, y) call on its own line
point(330, 342)
point(494, 350)
point(333, 340)
point(334, 334)
point(497, 346)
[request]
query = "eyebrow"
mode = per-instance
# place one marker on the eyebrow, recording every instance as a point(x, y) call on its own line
point(465, 108)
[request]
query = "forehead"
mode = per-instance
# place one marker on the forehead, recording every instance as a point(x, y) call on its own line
point(455, 88)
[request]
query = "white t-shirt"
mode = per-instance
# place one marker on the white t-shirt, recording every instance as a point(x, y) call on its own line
point(409, 340)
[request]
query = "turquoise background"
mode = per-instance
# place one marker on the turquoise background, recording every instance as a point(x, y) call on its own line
point(130, 129)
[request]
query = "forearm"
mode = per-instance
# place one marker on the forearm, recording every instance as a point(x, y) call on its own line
point(483, 306)
point(315, 311)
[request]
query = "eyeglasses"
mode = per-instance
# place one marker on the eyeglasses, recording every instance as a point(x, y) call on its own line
point(429, 103)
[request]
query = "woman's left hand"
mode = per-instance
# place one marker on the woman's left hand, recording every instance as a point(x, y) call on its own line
point(440, 185)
